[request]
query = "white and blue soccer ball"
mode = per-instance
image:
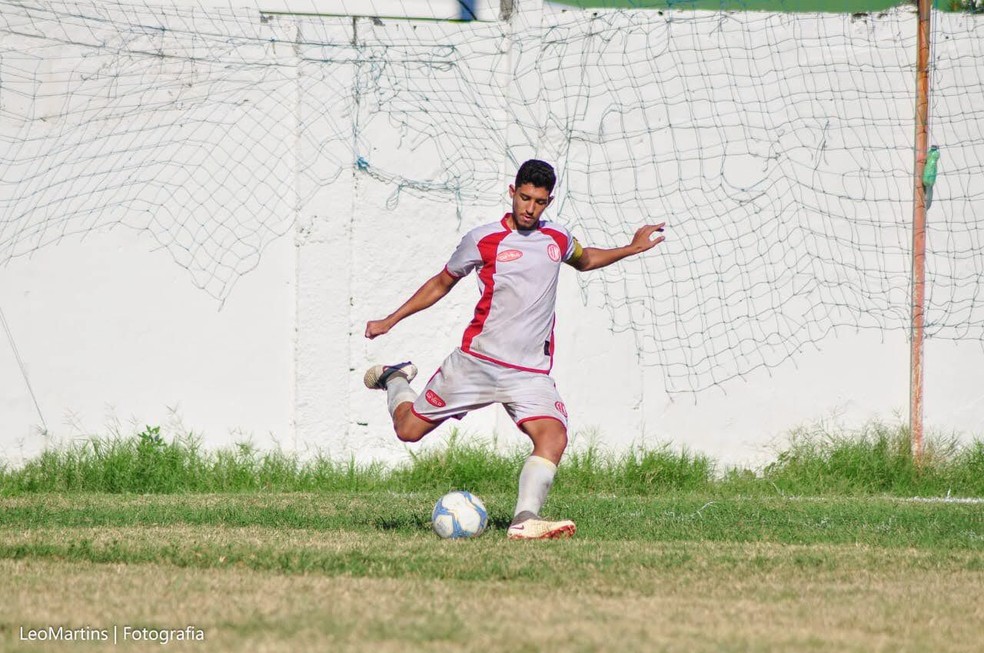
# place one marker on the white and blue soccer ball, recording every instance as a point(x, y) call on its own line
point(459, 515)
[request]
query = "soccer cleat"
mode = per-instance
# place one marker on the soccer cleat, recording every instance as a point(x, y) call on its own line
point(529, 526)
point(377, 375)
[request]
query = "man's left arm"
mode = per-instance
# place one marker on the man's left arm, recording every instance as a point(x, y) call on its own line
point(592, 258)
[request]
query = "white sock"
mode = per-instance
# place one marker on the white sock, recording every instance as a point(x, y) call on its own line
point(534, 483)
point(398, 390)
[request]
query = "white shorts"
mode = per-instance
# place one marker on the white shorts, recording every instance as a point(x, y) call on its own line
point(464, 383)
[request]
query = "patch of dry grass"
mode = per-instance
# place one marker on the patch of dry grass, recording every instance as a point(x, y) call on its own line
point(363, 572)
point(585, 596)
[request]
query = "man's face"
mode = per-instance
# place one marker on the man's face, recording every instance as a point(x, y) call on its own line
point(528, 202)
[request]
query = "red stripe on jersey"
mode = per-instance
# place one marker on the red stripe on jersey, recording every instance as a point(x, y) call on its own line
point(559, 238)
point(562, 243)
point(487, 249)
point(504, 363)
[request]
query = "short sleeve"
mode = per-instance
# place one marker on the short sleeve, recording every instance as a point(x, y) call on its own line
point(465, 258)
point(564, 239)
point(573, 249)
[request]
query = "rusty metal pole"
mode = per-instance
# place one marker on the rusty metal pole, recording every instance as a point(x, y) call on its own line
point(919, 232)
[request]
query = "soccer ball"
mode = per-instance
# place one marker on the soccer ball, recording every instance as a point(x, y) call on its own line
point(458, 515)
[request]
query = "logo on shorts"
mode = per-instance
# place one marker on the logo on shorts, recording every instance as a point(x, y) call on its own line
point(553, 252)
point(559, 405)
point(509, 255)
point(434, 399)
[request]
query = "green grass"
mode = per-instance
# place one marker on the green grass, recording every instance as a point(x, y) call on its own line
point(879, 522)
point(874, 460)
point(364, 572)
point(822, 550)
point(256, 588)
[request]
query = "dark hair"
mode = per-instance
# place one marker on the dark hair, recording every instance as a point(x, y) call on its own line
point(539, 173)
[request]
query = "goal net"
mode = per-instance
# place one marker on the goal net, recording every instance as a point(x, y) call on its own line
point(778, 147)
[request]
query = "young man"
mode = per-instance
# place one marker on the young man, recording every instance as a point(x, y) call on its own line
point(507, 350)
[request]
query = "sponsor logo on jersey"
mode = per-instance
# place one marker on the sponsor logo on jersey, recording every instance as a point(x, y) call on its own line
point(509, 255)
point(553, 252)
point(559, 405)
point(434, 399)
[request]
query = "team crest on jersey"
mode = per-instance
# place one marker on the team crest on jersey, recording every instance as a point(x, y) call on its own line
point(509, 255)
point(553, 252)
point(434, 399)
point(559, 405)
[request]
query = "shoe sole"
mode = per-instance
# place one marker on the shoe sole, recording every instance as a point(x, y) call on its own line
point(376, 372)
point(559, 533)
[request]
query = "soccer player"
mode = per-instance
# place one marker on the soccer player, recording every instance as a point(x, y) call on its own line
point(507, 350)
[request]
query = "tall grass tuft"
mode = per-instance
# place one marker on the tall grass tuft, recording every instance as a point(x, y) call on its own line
point(146, 463)
point(642, 471)
point(818, 461)
point(965, 472)
point(876, 459)
point(461, 464)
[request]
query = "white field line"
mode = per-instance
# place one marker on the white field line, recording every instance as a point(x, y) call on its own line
point(947, 499)
point(944, 499)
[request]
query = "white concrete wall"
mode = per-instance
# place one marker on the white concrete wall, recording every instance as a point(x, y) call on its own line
point(114, 334)
point(133, 202)
point(115, 337)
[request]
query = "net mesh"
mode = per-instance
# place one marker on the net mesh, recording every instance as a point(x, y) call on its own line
point(778, 147)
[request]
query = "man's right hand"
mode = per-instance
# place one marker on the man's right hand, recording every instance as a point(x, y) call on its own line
point(376, 328)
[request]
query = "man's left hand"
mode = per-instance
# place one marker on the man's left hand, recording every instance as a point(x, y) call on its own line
point(643, 239)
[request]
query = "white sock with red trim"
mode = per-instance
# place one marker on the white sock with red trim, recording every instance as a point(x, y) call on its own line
point(534, 483)
point(398, 391)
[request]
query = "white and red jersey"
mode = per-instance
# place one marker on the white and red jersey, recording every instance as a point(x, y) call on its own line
point(517, 279)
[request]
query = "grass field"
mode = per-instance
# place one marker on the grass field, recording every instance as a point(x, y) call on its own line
point(671, 554)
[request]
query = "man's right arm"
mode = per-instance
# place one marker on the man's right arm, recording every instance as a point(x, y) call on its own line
point(433, 290)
